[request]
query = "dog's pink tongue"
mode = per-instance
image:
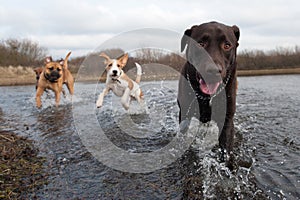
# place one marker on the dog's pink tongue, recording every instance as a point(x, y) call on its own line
point(209, 88)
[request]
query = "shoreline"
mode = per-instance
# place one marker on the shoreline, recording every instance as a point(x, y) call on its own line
point(17, 78)
point(267, 72)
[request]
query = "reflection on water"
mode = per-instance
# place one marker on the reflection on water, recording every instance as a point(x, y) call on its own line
point(267, 144)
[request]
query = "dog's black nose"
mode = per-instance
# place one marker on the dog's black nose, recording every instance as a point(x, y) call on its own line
point(115, 71)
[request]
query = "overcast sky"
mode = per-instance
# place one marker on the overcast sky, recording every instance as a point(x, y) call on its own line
point(81, 26)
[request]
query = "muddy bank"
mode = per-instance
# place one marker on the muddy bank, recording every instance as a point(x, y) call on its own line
point(21, 169)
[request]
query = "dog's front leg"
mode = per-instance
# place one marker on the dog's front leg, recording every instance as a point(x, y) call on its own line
point(126, 99)
point(101, 97)
point(226, 138)
point(57, 97)
point(39, 93)
point(64, 93)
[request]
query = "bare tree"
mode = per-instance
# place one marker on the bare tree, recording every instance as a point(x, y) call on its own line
point(25, 52)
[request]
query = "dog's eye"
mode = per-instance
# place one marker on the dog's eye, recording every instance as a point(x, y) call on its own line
point(51, 68)
point(227, 45)
point(110, 64)
point(118, 65)
point(202, 44)
point(58, 69)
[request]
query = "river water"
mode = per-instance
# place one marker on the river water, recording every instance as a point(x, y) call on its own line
point(267, 143)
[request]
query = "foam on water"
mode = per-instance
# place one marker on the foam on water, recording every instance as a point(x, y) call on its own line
point(158, 110)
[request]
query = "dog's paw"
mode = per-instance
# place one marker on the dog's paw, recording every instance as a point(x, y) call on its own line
point(126, 107)
point(223, 155)
point(98, 104)
point(184, 126)
point(38, 105)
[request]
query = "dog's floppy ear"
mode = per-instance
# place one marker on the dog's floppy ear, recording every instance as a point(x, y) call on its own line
point(48, 59)
point(236, 32)
point(65, 61)
point(61, 62)
point(123, 60)
point(186, 36)
point(107, 59)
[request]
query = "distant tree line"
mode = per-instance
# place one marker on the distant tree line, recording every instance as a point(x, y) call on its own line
point(25, 52)
point(280, 58)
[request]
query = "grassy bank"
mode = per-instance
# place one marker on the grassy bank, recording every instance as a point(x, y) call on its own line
point(20, 167)
point(10, 76)
point(16, 76)
point(263, 72)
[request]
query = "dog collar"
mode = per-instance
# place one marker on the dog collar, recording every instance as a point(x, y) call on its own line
point(117, 80)
point(210, 98)
point(207, 98)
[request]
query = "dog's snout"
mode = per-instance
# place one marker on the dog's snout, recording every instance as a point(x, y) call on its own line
point(213, 73)
point(114, 71)
point(55, 73)
point(213, 70)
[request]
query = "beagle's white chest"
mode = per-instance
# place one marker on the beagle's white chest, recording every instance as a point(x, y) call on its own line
point(118, 87)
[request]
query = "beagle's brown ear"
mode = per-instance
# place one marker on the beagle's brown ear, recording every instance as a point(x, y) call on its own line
point(123, 60)
point(107, 59)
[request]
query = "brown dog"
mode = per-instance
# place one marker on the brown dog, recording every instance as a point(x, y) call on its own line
point(210, 72)
point(38, 72)
point(53, 76)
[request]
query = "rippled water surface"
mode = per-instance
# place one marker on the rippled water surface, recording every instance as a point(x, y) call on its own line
point(266, 149)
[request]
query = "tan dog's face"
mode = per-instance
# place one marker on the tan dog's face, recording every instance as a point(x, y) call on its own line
point(53, 70)
point(114, 66)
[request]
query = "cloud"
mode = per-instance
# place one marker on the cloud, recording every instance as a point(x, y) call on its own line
point(82, 25)
point(78, 44)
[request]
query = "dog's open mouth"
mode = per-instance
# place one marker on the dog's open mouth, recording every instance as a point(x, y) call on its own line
point(209, 88)
point(113, 76)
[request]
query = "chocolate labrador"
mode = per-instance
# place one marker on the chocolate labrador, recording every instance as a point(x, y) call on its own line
point(207, 86)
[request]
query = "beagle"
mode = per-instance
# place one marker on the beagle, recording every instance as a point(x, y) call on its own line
point(120, 84)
